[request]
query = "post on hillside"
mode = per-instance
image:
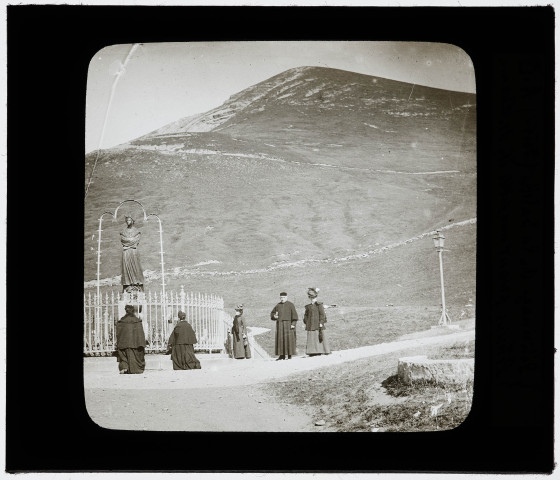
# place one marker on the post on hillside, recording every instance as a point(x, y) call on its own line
point(438, 242)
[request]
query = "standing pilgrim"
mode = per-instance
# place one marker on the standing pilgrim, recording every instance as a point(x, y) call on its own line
point(132, 278)
point(286, 317)
point(240, 338)
point(314, 320)
point(181, 343)
point(130, 343)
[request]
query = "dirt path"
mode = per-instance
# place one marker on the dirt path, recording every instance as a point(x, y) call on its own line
point(239, 409)
point(225, 395)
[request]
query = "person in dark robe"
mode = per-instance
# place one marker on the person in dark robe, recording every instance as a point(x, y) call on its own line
point(285, 315)
point(314, 321)
point(240, 339)
point(132, 276)
point(181, 342)
point(131, 343)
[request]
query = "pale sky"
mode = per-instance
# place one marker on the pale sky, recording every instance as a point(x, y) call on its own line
point(163, 82)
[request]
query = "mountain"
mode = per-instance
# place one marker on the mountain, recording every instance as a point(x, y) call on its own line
point(303, 106)
point(273, 188)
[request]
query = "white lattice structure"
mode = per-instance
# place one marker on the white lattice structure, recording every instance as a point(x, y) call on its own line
point(205, 312)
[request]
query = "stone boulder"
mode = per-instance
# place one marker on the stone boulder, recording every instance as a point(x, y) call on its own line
point(440, 371)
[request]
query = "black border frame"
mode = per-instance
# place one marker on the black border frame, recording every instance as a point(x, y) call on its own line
point(510, 428)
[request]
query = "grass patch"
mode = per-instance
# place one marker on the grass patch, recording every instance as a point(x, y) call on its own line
point(455, 351)
point(426, 407)
point(366, 394)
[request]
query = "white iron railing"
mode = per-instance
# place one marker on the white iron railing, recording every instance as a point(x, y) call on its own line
point(205, 312)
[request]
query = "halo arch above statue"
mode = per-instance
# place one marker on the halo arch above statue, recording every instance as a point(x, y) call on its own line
point(146, 217)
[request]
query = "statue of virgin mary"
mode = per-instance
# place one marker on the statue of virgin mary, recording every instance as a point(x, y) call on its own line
point(132, 278)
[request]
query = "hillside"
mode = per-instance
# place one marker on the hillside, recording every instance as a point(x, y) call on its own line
point(309, 165)
point(316, 112)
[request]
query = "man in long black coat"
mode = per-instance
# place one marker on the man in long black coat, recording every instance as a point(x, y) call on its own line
point(286, 317)
point(131, 343)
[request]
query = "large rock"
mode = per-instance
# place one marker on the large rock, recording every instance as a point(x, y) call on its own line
point(421, 369)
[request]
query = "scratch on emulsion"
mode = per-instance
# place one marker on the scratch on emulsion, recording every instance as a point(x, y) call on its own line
point(118, 75)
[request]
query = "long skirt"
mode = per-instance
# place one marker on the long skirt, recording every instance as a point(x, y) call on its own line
point(240, 350)
point(183, 358)
point(285, 343)
point(314, 346)
point(132, 273)
point(131, 359)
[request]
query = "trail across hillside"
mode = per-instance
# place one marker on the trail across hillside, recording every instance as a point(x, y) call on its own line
point(184, 272)
point(178, 148)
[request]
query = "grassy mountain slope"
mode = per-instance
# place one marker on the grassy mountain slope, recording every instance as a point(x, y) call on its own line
point(311, 165)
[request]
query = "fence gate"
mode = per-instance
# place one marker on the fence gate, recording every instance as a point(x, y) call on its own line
point(205, 312)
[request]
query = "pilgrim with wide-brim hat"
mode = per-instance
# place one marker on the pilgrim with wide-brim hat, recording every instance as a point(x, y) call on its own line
point(240, 338)
point(314, 320)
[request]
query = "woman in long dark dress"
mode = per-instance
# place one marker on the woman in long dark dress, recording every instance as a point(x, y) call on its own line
point(181, 342)
point(240, 339)
point(314, 320)
point(131, 343)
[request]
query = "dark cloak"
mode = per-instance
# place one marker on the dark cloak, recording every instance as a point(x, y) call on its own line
point(183, 334)
point(181, 342)
point(130, 333)
point(130, 344)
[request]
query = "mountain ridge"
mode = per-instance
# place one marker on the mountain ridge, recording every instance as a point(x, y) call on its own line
point(274, 88)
